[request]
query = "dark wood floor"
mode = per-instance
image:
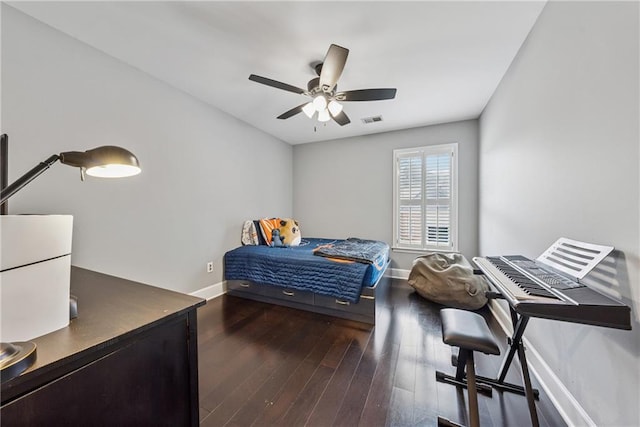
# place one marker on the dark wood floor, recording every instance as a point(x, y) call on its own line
point(262, 364)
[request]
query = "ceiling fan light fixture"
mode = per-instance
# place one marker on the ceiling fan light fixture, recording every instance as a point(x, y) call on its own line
point(334, 108)
point(320, 103)
point(309, 110)
point(323, 116)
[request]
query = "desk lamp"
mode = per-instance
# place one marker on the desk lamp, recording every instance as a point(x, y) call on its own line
point(103, 162)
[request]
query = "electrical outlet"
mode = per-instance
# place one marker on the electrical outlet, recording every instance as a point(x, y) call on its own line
point(210, 267)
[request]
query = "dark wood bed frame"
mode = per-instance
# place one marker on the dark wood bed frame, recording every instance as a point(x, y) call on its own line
point(363, 311)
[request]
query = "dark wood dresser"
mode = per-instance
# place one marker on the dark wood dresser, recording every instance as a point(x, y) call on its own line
point(129, 358)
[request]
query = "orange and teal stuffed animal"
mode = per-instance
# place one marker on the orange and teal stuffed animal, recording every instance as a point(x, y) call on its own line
point(289, 232)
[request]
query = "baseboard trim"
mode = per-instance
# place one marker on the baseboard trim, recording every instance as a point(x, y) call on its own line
point(209, 292)
point(569, 408)
point(397, 273)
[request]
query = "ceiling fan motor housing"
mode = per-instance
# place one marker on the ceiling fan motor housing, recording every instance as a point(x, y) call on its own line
point(313, 88)
point(313, 84)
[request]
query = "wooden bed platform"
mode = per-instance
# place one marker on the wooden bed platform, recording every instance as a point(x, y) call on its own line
point(363, 311)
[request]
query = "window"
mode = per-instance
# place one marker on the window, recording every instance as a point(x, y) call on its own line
point(425, 198)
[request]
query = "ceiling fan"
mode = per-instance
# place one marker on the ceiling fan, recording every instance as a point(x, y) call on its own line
point(324, 90)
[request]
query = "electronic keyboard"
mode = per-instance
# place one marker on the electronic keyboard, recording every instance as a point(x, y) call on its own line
point(536, 290)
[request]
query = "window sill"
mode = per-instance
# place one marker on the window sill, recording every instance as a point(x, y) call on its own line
point(422, 251)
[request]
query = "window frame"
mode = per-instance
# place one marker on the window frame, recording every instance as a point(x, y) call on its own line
point(424, 151)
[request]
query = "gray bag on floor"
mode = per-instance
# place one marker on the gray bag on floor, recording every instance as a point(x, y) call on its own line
point(448, 279)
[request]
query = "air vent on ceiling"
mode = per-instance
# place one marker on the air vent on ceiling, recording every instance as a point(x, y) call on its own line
point(373, 119)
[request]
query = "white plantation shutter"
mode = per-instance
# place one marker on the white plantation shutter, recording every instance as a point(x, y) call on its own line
point(425, 188)
point(410, 195)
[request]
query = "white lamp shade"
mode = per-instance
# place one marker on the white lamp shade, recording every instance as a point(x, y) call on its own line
point(323, 116)
point(320, 103)
point(334, 108)
point(309, 110)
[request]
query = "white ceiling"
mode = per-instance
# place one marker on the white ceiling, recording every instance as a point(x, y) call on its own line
point(445, 58)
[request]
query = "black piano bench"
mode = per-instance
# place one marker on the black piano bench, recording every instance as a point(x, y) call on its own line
point(469, 332)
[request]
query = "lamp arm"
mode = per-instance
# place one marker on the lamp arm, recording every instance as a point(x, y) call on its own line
point(16, 186)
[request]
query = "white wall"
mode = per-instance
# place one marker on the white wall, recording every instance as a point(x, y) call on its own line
point(344, 188)
point(204, 171)
point(559, 156)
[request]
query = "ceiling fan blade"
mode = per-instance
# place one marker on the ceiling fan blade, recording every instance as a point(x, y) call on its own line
point(276, 84)
point(332, 66)
point(292, 112)
point(366, 95)
point(341, 118)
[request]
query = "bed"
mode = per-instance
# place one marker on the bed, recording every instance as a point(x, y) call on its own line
point(332, 283)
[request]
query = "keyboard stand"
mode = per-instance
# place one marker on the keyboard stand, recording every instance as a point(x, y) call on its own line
point(516, 346)
point(568, 257)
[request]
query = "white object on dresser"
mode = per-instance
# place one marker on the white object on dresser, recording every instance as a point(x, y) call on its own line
point(35, 268)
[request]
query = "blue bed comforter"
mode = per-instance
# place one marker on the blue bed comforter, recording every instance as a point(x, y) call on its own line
point(297, 268)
